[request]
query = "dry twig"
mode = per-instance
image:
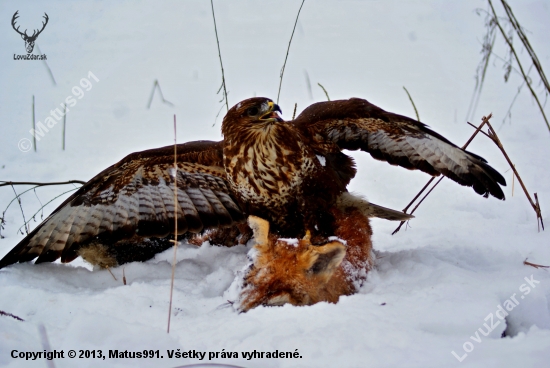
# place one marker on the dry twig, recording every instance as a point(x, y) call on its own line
point(33, 125)
point(485, 120)
point(535, 204)
point(64, 127)
point(412, 102)
point(513, 21)
point(537, 266)
point(18, 198)
point(38, 184)
point(175, 225)
point(324, 90)
point(287, 51)
point(26, 223)
point(220, 56)
point(308, 85)
point(46, 344)
point(2, 313)
point(155, 86)
point(47, 67)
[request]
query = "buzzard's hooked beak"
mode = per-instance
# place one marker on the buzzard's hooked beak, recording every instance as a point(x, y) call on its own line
point(271, 113)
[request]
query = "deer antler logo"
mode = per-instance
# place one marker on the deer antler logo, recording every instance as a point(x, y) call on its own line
point(29, 40)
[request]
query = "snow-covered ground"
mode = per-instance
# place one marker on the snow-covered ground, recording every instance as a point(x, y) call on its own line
point(435, 285)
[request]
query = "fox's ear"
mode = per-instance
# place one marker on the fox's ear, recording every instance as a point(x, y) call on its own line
point(326, 258)
point(260, 228)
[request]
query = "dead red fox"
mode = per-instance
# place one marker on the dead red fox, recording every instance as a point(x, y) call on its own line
point(297, 272)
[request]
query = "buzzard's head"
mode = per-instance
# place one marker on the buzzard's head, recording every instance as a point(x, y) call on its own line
point(254, 112)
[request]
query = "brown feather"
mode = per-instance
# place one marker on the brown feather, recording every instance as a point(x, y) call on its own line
point(290, 173)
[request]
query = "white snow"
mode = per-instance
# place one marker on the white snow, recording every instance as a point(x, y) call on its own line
point(322, 160)
point(290, 241)
point(434, 285)
point(335, 238)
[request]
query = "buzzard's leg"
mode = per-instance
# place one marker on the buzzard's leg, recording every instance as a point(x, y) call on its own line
point(228, 236)
point(108, 255)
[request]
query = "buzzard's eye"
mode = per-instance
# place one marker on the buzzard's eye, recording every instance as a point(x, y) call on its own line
point(253, 111)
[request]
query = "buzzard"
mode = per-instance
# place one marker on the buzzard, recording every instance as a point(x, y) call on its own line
point(290, 173)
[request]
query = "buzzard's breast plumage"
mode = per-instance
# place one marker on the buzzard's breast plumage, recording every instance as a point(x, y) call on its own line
point(269, 171)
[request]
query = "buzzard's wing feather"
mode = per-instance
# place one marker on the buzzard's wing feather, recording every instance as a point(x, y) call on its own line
point(357, 124)
point(136, 197)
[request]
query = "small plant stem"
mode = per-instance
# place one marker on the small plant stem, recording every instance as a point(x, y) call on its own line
point(485, 121)
point(220, 56)
point(175, 225)
point(519, 64)
point(287, 51)
point(324, 90)
point(412, 102)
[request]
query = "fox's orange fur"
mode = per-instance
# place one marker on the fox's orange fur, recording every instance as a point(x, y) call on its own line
point(299, 273)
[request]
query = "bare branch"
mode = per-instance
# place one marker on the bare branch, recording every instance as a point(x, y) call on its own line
point(42, 206)
point(536, 206)
point(2, 313)
point(33, 125)
point(175, 225)
point(516, 57)
point(220, 56)
point(156, 86)
point(47, 66)
point(537, 266)
point(5, 183)
point(21, 207)
point(485, 121)
point(288, 50)
point(526, 44)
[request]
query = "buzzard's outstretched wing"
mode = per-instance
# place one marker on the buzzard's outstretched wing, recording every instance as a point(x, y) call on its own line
point(357, 124)
point(136, 197)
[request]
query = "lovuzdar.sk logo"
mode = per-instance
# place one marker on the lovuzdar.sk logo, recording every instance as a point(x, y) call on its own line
point(29, 40)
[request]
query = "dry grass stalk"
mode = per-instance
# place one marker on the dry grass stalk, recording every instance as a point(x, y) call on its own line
point(18, 199)
point(288, 50)
point(21, 207)
point(535, 204)
point(33, 125)
point(537, 266)
point(220, 56)
point(41, 209)
point(47, 67)
point(175, 241)
point(485, 120)
point(519, 30)
point(308, 85)
point(513, 182)
point(324, 90)
point(516, 26)
point(109, 269)
point(412, 102)
point(481, 71)
point(38, 184)
point(46, 344)
point(2, 313)
point(64, 126)
point(155, 86)
point(294, 113)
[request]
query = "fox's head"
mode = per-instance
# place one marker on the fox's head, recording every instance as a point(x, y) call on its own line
point(287, 271)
